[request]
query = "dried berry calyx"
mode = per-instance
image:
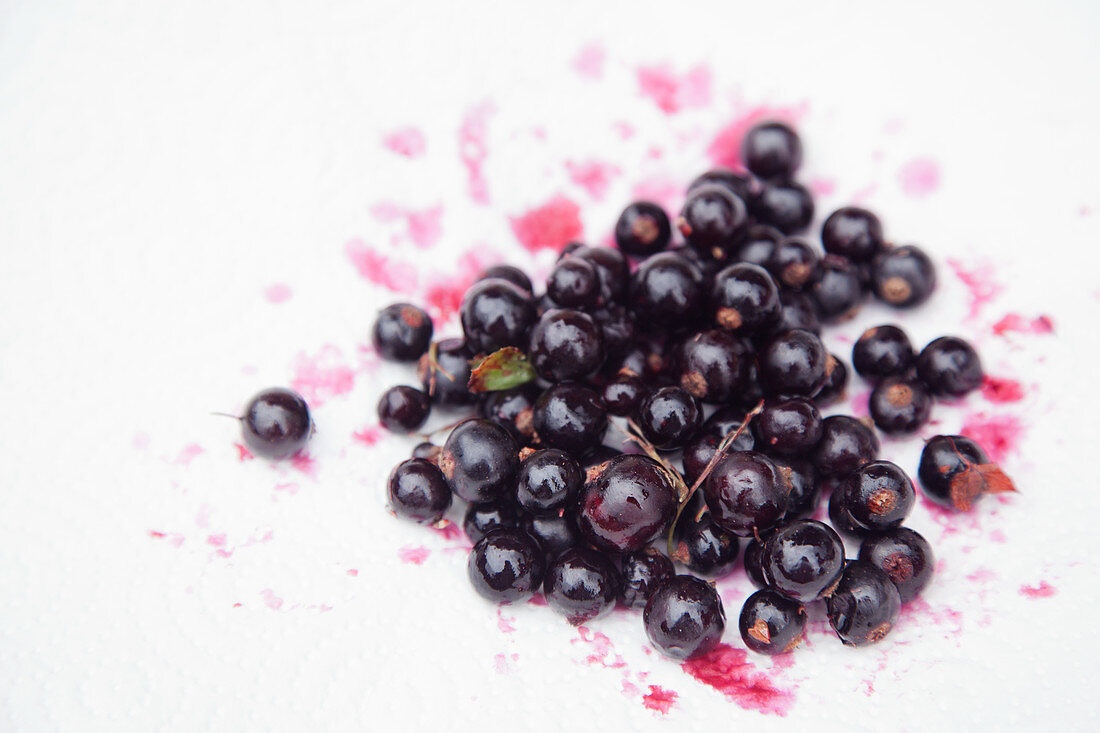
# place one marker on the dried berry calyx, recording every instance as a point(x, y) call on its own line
point(975, 480)
point(503, 369)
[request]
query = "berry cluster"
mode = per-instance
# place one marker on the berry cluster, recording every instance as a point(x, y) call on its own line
point(699, 342)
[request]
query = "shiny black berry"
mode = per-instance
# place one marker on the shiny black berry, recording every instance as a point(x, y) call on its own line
point(713, 366)
point(803, 560)
point(548, 480)
point(726, 420)
point(799, 311)
point(771, 623)
point(574, 283)
point(512, 408)
point(741, 185)
point(846, 444)
point(481, 519)
point(787, 206)
point(565, 344)
point(864, 606)
point(789, 427)
point(627, 505)
point(427, 451)
point(669, 417)
point(641, 572)
point(702, 546)
point(877, 496)
point(417, 491)
point(402, 332)
point(772, 150)
point(571, 418)
point(276, 423)
point(643, 229)
point(903, 276)
point(624, 394)
point(712, 220)
point(403, 409)
point(899, 405)
point(446, 379)
point(746, 493)
point(699, 452)
point(753, 560)
point(555, 532)
point(744, 299)
point(837, 291)
point(684, 617)
point(581, 584)
point(905, 557)
point(667, 291)
point(836, 382)
point(512, 274)
point(955, 471)
point(617, 327)
point(800, 474)
point(950, 367)
point(496, 313)
point(852, 232)
point(882, 351)
point(758, 244)
point(479, 460)
point(506, 566)
point(794, 263)
point(792, 365)
point(613, 268)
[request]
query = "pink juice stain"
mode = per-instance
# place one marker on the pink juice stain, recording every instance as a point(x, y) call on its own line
point(377, 268)
point(407, 141)
point(603, 650)
point(659, 699)
point(423, 226)
point(1043, 590)
point(979, 281)
point(413, 555)
point(594, 176)
point(473, 149)
point(1015, 323)
point(1002, 389)
point(919, 177)
point(243, 454)
point(190, 452)
point(725, 148)
point(728, 670)
point(551, 225)
point(277, 293)
point(672, 92)
point(271, 600)
point(589, 61)
point(369, 435)
point(320, 377)
point(998, 435)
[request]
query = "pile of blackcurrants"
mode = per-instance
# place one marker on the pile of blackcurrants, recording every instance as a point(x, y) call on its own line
point(706, 359)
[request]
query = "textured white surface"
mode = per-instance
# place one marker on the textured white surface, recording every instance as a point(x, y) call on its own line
point(161, 168)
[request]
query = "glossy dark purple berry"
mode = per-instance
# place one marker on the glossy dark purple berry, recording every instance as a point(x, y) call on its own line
point(512, 274)
point(712, 220)
point(759, 244)
point(800, 474)
point(864, 606)
point(641, 572)
point(699, 452)
point(496, 313)
point(479, 460)
point(402, 332)
point(772, 150)
point(794, 263)
point(512, 408)
point(403, 409)
point(555, 533)
point(571, 418)
point(950, 367)
point(956, 472)
point(789, 427)
point(417, 491)
point(506, 566)
point(643, 229)
point(852, 232)
point(787, 206)
point(877, 496)
point(770, 623)
point(744, 299)
point(574, 283)
point(669, 417)
point(726, 420)
point(481, 519)
point(837, 290)
point(882, 351)
point(548, 480)
point(565, 344)
point(613, 269)
point(905, 557)
point(836, 382)
point(427, 451)
point(667, 291)
point(446, 381)
point(746, 493)
point(713, 366)
point(753, 560)
point(903, 276)
point(627, 505)
point(581, 584)
point(684, 617)
point(803, 560)
point(276, 423)
point(845, 445)
point(792, 365)
point(617, 327)
point(799, 311)
point(899, 405)
point(741, 185)
point(624, 394)
point(703, 547)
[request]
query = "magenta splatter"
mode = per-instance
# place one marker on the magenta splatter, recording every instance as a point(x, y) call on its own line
point(353, 572)
point(552, 225)
point(271, 600)
point(444, 293)
point(536, 600)
point(277, 293)
point(448, 530)
point(659, 699)
point(506, 624)
point(919, 177)
point(243, 454)
point(188, 454)
point(500, 663)
point(822, 186)
point(1015, 323)
point(603, 651)
point(588, 62)
point(594, 176)
point(1043, 590)
point(140, 441)
point(982, 575)
point(174, 538)
point(375, 267)
point(725, 149)
point(407, 141)
point(624, 129)
point(979, 280)
point(630, 689)
point(998, 435)
point(369, 435)
point(672, 92)
point(998, 536)
point(1002, 389)
point(669, 194)
point(413, 555)
point(728, 670)
point(217, 540)
point(304, 463)
point(473, 149)
point(322, 376)
point(422, 225)
point(860, 196)
point(860, 403)
point(920, 612)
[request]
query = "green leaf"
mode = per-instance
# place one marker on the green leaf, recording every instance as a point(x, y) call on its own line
point(502, 369)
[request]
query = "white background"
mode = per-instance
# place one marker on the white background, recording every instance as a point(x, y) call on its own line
point(161, 165)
